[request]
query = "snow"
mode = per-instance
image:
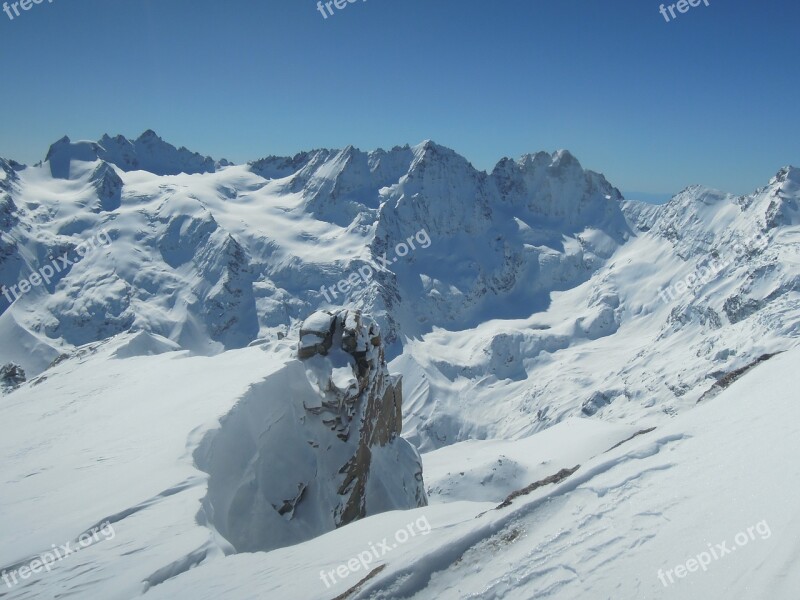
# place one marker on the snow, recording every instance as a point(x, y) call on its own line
point(652, 504)
point(530, 336)
point(319, 322)
point(343, 378)
point(605, 531)
point(101, 439)
point(160, 445)
point(310, 340)
point(490, 470)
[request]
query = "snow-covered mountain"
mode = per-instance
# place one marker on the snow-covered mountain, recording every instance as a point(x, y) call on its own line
point(217, 260)
point(148, 152)
point(536, 317)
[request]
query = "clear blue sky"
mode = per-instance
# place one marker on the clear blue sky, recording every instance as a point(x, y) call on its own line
point(711, 97)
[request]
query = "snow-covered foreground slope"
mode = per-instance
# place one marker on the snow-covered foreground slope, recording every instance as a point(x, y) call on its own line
point(115, 444)
point(701, 507)
point(112, 439)
point(199, 456)
point(711, 486)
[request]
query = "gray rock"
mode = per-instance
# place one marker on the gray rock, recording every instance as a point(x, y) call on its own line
point(374, 405)
point(11, 376)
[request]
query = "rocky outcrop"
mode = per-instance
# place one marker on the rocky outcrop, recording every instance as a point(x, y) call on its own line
point(724, 381)
point(11, 377)
point(108, 186)
point(358, 391)
point(314, 446)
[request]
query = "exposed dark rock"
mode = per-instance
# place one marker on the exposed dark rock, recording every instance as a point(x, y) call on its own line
point(595, 402)
point(738, 308)
point(706, 316)
point(108, 186)
point(11, 376)
point(373, 403)
point(635, 435)
point(727, 379)
point(557, 478)
point(316, 335)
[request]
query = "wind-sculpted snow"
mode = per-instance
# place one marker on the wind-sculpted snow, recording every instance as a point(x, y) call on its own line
point(315, 446)
point(225, 454)
point(612, 528)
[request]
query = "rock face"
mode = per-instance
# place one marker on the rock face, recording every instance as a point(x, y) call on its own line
point(11, 377)
point(315, 445)
point(108, 186)
point(359, 391)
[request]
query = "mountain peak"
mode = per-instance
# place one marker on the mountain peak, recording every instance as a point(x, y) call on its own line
point(149, 152)
point(564, 158)
point(429, 152)
point(427, 146)
point(788, 173)
point(64, 151)
point(148, 135)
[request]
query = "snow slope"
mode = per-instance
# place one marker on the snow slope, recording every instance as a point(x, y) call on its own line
point(646, 506)
point(174, 454)
point(605, 531)
point(645, 336)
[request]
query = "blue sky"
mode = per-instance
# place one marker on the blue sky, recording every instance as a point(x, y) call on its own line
point(710, 97)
